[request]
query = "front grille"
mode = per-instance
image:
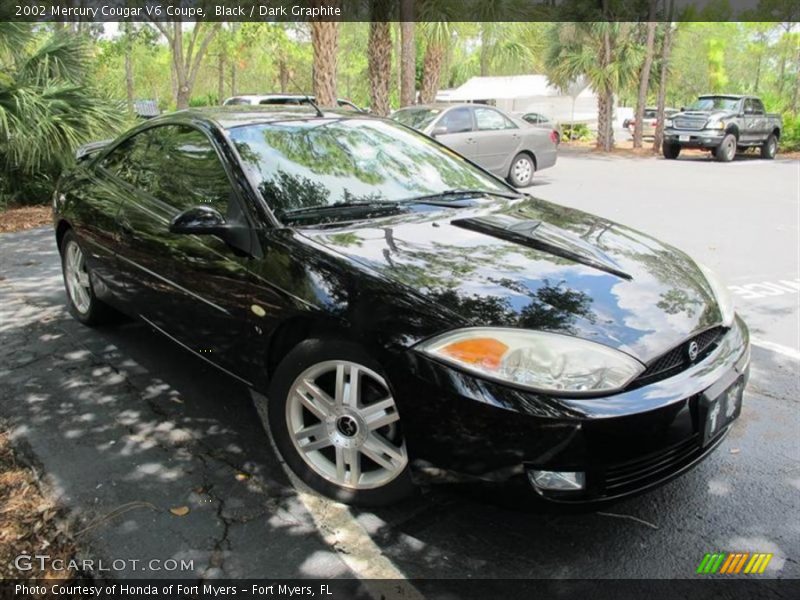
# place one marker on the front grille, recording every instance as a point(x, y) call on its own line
point(677, 359)
point(693, 124)
point(635, 473)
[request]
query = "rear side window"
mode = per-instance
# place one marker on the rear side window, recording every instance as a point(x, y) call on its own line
point(491, 120)
point(758, 107)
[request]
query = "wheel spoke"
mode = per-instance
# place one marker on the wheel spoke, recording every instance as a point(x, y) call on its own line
point(318, 432)
point(352, 461)
point(83, 278)
point(347, 385)
point(383, 453)
point(314, 399)
point(379, 414)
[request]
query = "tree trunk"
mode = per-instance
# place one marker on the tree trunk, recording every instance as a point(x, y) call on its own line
point(325, 43)
point(379, 54)
point(644, 82)
point(283, 75)
point(234, 78)
point(408, 54)
point(605, 101)
point(662, 84)
point(221, 78)
point(129, 70)
point(485, 49)
point(431, 72)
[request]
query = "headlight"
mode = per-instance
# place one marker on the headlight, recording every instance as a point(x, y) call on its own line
point(667, 123)
point(721, 295)
point(715, 125)
point(547, 362)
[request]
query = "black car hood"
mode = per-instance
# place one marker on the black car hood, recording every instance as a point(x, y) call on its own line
point(533, 264)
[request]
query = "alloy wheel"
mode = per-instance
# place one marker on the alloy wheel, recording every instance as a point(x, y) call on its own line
point(343, 422)
point(77, 278)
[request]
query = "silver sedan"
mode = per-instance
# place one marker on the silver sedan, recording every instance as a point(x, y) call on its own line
point(500, 143)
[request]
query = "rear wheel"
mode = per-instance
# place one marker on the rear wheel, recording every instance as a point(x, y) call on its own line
point(522, 169)
point(726, 151)
point(670, 151)
point(81, 300)
point(335, 422)
point(770, 147)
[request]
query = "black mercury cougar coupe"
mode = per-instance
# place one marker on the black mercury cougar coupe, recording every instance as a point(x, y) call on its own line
point(402, 309)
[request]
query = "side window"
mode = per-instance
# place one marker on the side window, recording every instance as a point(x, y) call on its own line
point(491, 120)
point(458, 120)
point(187, 171)
point(758, 107)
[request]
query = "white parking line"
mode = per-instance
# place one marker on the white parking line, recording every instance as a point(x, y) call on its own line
point(779, 348)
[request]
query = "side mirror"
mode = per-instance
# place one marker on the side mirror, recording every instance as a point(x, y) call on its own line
point(199, 220)
point(205, 220)
point(438, 130)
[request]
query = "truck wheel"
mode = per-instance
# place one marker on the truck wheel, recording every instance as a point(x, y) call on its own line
point(670, 151)
point(770, 147)
point(726, 151)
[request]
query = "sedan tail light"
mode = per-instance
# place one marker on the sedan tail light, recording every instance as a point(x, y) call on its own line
point(554, 136)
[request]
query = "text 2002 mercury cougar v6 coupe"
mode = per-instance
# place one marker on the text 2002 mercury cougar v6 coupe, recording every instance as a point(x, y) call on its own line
point(401, 308)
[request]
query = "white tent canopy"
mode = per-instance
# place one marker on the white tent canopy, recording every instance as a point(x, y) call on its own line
point(528, 93)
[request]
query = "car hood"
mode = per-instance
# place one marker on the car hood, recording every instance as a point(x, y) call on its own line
point(707, 114)
point(536, 265)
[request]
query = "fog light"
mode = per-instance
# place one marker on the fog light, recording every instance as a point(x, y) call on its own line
point(563, 481)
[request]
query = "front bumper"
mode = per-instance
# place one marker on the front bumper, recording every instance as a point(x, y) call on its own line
point(625, 443)
point(692, 138)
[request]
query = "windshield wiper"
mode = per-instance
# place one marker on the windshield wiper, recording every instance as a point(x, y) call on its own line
point(446, 195)
point(337, 207)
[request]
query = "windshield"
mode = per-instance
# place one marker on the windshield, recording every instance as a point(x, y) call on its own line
point(715, 103)
point(301, 164)
point(417, 118)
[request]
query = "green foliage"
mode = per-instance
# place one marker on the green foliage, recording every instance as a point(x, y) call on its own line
point(576, 131)
point(47, 109)
point(790, 140)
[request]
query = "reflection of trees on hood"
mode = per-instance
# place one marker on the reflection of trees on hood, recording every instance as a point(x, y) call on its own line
point(552, 307)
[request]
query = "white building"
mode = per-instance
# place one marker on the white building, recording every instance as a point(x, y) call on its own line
point(529, 93)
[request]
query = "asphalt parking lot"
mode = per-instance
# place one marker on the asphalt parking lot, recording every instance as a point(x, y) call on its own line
point(127, 426)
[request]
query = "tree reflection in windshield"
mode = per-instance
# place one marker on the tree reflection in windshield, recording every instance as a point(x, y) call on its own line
point(309, 163)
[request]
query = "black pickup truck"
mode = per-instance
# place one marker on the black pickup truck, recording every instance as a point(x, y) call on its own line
point(723, 124)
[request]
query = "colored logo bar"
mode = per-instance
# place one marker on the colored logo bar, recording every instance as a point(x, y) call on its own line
point(734, 563)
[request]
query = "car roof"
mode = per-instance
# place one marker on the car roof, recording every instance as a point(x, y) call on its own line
point(441, 106)
point(228, 117)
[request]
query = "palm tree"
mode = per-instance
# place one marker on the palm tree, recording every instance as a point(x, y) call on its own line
point(379, 54)
point(47, 109)
point(408, 54)
point(437, 37)
point(605, 54)
point(644, 81)
point(325, 44)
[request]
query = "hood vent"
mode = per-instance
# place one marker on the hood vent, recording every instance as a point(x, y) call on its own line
point(545, 237)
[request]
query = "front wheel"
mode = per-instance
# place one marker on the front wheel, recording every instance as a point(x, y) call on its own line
point(81, 300)
point(770, 147)
point(335, 422)
point(726, 151)
point(521, 172)
point(670, 151)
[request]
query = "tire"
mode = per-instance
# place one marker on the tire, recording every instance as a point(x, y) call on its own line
point(302, 398)
point(770, 147)
point(726, 151)
point(82, 302)
point(521, 171)
point(670, 151)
